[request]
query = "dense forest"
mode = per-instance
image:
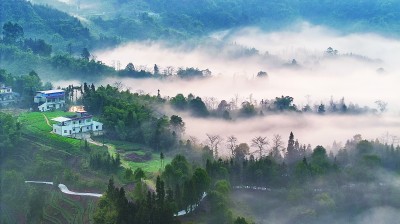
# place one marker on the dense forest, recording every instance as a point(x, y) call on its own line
point(166, 19)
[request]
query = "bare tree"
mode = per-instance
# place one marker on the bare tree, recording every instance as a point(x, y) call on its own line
point(231, 144)
point(119, 85)
point(193, 140)
point(169, 71)
point(277, 146)
point(381, 105)
point(213, 142)
point(213, 102)
point(260, 143)
point(234, 102)
point(210, 102)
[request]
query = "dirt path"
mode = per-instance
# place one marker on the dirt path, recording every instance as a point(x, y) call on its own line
point(47, 120)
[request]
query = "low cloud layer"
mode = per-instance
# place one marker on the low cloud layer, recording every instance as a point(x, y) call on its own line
point(351, 74)
point(308, 129)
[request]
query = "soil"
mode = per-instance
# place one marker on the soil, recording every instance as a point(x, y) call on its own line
point(137, 158)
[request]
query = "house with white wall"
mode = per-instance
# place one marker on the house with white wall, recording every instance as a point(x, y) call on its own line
point(50, 99)
point(7, 96)
point(72, 126)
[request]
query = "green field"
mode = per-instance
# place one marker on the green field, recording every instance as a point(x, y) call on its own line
point(35, 127)
point(123, 147)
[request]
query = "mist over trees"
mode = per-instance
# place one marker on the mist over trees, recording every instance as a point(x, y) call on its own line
point(156, 170)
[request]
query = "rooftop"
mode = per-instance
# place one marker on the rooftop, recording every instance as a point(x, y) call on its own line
point(51, 91)
point(61, 119)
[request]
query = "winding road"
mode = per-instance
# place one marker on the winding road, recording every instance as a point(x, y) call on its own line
point(65, 189)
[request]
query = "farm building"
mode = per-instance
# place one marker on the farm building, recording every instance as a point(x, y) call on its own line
point(50, 99)
point(81, 122)
point(7, 96)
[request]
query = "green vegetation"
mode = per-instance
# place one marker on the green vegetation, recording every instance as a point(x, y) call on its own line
point(170, 19)
point(35, 127)
point(151, 162)
point(154, 172)
point(130, 117)
point(48, 24)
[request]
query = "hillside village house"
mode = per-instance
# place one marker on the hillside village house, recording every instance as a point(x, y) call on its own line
point(72, 126)
point(7, 96)
point(50, 99)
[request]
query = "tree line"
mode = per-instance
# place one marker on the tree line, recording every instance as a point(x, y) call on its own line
point(232, 109)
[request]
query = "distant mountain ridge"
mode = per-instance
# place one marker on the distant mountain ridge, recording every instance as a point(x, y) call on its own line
point(108, 22)
point(142, 19)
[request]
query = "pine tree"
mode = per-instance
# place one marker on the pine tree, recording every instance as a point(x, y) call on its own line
point(290, 151)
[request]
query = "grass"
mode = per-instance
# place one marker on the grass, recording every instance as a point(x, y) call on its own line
point(124, 145)
point(151, 166)
point(35, 127)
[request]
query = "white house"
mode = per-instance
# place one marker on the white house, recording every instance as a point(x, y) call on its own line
point(7, 96)
point(80, 123)
point(50, 99)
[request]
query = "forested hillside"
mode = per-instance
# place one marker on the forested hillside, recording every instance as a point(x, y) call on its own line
point(54, 26)
point(154, 19)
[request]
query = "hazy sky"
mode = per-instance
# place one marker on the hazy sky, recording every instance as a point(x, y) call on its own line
point(317, 80)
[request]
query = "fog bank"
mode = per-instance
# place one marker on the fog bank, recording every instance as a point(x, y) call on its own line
point(236, 56)
point(308, 129)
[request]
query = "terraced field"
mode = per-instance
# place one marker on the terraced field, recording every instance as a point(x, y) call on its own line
point(63, 208)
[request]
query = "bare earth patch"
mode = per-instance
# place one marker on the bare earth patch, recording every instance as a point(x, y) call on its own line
point(134, 157)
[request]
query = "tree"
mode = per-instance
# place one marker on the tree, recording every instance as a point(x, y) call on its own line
point(177, 171)
point(319, 160)
point(247, 109)
point(162, 159)
point(201, 182)
point(12, 33)
point(290, 150)
point(156, 70)
point(240, 220)
point(9, 134)
point(139, 174)
point(284, 103)
point(179, 102)
point(85, 54)
point(231, 144)
point(321, 109)
point(178, 126)
point(381, 105)
point(69, 48)
point(198, 108)
point(39, 47)
point(130, 67)
point(128, 173)
point(277, 146)
point(241, 151)
point(262, 74)
point(331, 52)
point(213, 142)
point(260, 143)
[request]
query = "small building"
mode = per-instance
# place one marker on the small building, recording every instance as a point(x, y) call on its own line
point(81, 122)
point(50, 99)
point(7, 96)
